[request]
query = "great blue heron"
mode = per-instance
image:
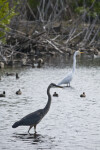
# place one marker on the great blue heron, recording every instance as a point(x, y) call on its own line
point(35, 117)
point(69, 77)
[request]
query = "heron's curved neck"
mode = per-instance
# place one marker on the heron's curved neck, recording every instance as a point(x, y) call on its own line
point(74, 63)
point(46, 108)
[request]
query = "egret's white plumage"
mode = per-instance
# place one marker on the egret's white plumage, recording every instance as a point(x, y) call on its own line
point(69, 77)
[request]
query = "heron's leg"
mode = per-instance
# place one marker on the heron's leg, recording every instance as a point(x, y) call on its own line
point(29, 128)
point(35, 129)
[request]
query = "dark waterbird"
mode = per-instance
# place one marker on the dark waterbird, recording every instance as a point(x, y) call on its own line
point(17, 77)
point(55, 94)
point(10, 74)
point(83, 95)
point(3, 94)
point(34, 118)
point(19, 92)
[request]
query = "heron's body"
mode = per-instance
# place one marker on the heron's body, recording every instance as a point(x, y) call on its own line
point(34, 118)
point(69, 77)
point(30, 120)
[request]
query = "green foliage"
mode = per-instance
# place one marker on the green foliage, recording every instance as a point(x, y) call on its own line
point(6, 14)
point(94, 11)
point(33, 3)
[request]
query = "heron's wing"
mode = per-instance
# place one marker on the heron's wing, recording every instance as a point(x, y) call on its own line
point(33, 118)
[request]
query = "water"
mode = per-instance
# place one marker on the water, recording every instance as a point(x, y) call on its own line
point(73, 123)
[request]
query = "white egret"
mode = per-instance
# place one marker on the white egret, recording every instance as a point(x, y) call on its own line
point(69, 77)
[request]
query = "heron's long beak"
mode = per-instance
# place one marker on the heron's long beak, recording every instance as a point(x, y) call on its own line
point(58, 86)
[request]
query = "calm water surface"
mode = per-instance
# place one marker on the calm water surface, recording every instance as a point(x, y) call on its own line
point(73, 123)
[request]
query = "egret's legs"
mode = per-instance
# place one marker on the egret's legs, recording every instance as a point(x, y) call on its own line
point(68, 85)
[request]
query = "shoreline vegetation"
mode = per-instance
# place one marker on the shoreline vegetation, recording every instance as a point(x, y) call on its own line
point(34, 33)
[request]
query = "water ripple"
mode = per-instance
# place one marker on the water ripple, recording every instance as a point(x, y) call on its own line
point(72, 122)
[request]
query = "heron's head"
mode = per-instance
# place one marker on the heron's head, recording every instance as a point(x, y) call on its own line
point(53, 85)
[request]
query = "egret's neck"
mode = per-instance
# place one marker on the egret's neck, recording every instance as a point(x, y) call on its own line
point(46, 108)
point(74, 63)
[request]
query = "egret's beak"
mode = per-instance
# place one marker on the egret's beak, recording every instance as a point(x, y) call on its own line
point(81, 52)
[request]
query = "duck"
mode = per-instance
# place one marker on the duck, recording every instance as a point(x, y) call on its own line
point(19, 92)
point(40, 62)
point(55, 94)
point(10, 74)
point(37, 62)
point(17, 77)
point(83, 95)
point(3, 94)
